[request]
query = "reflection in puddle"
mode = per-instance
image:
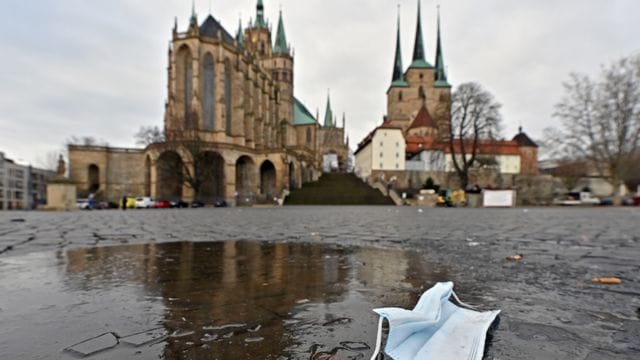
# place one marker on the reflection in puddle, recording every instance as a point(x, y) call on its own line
point(227, 300)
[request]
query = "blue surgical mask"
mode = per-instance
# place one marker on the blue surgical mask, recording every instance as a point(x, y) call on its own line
point(435, 329)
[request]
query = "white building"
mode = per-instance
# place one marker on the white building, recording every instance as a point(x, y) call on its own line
point(383, 149)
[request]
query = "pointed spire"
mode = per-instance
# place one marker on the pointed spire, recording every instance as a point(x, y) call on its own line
point(194, 17)
point(441, 74)
point(328, 114)
point(260, 23)
point(281, 46)
point(344, 119)
point(419, 58)
point(398, 70)
point(240, 33)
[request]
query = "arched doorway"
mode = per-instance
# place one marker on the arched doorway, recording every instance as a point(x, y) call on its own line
point(209, 168)
point(268, 179)
point(245, 170)
point(170, 176)
point(94, 178)
point(330, 162)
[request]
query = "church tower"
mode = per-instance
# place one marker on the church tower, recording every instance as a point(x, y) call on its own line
point(282, 73)
point(258, 35)
point(422, 85)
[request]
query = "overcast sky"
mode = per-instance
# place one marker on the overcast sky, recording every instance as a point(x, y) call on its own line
point(98, 68)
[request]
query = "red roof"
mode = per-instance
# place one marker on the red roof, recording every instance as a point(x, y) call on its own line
point(487, 147)
point(417, 144)
point(423, 119)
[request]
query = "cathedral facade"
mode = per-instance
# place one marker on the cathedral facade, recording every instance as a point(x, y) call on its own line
point(233, 127)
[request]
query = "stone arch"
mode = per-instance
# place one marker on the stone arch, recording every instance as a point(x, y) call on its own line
point(293, 179)
point(209, 172)
point(93, 172)
point(170, 169)
point(208, 91)
point(228, 113)
point(147, 176)
point(245, 174)
point(184, 83)
point(268, 179)
point(330, 161)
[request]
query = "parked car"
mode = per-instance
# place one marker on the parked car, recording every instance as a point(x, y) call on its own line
point(179, 204)
point(197, 204)
point(83, 204)
point(220, 203)
point(144, 202)
point(131, 203)
point(577, 198)
point(104, 205)
point(162, 204)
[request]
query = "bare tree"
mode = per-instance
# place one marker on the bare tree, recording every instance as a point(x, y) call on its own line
point(600, 120)
point(475, 116)
point(50, 160)
point(85, 141)
point(148, 135)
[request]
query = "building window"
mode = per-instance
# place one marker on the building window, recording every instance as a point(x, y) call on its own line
point(308, 136)
point(380, 154)
point(208, 87)
point(397, 155)
point(227, 96)
point(397, 144)
point(381, 143)
point(380, 165)
point(397, 166)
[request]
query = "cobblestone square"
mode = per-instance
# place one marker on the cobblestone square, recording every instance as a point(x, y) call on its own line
point(551, 309)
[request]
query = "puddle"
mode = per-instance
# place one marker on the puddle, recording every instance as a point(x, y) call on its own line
point(240, 300)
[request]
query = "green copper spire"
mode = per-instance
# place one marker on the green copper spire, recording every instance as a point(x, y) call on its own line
point(398, 70)
point(260, 15)
point(240, 34)
point(328, 115)
point(281, 47)
point(441, 74)
point(419, 58)
point(194, 17)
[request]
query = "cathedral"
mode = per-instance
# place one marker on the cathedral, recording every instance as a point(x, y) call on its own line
point(413, 143)
point(233, 126)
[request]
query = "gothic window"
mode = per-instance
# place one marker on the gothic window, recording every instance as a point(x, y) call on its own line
point(400, 96)
point(208, 85)
point(308, 136)
point(185, 83)
point(227, 97)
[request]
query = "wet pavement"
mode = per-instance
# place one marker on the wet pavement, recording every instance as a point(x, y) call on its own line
point(300, 282)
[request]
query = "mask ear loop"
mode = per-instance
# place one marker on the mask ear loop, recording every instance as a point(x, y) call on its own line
point(460, 302)
point(376, 351)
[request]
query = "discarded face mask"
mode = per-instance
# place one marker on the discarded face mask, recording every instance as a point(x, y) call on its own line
point(435, 329)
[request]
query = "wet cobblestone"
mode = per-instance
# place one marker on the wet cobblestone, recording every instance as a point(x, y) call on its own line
point(550, 307)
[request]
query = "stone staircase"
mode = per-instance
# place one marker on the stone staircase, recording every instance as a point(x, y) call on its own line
point(337, 189)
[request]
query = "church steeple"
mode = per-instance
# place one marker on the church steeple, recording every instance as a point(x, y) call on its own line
point(194, 18)
point(419, 58)
point(260, 22)
point(398, 70)
point(441, 74)
point(328, 115)
point(240, 34)
point(281, 46)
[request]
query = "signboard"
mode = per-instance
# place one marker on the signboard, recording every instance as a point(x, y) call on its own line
point(498, 198)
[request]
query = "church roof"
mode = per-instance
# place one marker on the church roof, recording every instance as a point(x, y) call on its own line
point(423, 119)
point(523, 140)
point(210, 28)
point(302, 115)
